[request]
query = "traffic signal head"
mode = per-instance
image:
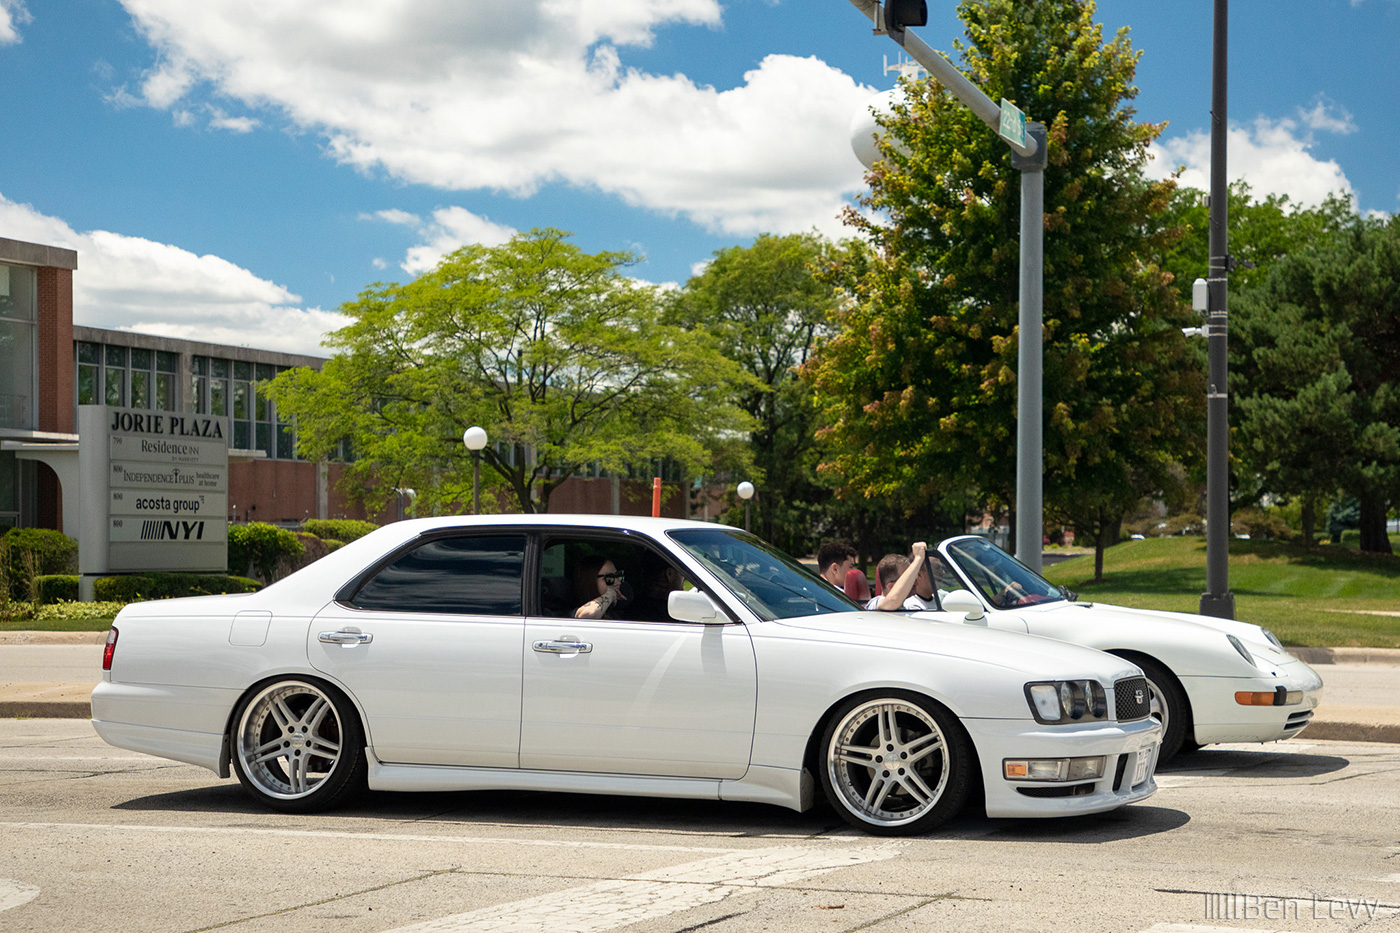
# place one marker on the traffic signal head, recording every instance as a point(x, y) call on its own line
point(901, 13)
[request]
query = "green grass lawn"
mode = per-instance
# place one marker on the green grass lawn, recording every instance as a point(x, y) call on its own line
point(1322, 596)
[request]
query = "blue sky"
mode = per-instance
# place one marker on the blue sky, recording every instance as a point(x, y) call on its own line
point(233, 171)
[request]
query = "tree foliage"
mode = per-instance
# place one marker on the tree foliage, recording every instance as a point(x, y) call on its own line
point(919, 386)
point(1315, 370)
point(555, 352)
point(766, 306)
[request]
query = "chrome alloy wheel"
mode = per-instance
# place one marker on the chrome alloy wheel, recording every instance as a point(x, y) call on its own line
point(289, 740)
point(888, 762)
point(1157, 706)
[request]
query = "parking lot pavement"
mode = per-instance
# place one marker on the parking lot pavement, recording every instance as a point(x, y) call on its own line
point(1296, 837)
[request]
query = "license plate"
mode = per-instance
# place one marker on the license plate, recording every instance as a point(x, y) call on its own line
point(1144, 765)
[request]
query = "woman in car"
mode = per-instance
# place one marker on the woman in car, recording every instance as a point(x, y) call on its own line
point(598, 585)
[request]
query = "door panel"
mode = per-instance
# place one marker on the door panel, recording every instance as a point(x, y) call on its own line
point(620, 697)
point(440, 689)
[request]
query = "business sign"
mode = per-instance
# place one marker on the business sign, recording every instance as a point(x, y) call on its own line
point(155, 491)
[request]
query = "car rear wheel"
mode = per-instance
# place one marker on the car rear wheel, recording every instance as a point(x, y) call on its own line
point(895, 763)
point(297, 746)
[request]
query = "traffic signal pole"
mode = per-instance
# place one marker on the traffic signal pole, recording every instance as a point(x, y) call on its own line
point(891, 19)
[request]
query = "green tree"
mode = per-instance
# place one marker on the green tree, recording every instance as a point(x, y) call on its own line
point(768, 310)
point(919, 386)
point(555, 352)
point(1315, 371)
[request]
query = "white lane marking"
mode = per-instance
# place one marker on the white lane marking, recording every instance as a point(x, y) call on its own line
point(15, 893)
point(608, 905)
point(379, 837)
point(1390, 879)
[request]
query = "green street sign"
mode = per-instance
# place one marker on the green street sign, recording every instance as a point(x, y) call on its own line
point(1013, 124)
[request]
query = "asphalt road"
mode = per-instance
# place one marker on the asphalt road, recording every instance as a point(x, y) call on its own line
point(1290, 837)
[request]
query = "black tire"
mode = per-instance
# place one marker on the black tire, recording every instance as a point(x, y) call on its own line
point(894, 763)
point(297, 746)
point(1169, 706)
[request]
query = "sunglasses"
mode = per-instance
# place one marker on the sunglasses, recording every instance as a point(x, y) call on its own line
point(611, 578)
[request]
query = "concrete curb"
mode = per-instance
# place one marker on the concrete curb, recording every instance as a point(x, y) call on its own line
point(1347, 655)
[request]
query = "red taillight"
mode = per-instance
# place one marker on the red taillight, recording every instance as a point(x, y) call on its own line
point(110, 650)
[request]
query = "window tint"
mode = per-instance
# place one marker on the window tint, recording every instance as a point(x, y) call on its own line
point(477, 575)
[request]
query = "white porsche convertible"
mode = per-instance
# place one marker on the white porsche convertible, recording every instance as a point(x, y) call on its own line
point(604, 654)
point(1212, 680)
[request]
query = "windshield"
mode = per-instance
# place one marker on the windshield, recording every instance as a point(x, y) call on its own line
point(1003, 581)
point(769, 582)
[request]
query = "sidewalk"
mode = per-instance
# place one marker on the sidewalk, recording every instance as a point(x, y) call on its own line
point(1351, 723)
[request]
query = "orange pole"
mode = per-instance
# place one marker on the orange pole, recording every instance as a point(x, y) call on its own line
point(656, 497)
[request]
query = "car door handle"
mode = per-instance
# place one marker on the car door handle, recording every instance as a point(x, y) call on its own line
point(345, 638)
point(563, 647)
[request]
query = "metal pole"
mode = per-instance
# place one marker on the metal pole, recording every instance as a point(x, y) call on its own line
point(1218, 601)
point(1030, 381)
point(476, 482)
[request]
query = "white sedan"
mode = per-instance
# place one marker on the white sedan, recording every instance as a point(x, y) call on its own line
point(457, 654)
point(1212, 680)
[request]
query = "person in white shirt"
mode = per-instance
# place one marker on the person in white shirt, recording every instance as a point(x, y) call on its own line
point(898, 576)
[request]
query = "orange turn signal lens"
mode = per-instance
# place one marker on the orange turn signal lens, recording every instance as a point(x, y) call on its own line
point(1245, 698)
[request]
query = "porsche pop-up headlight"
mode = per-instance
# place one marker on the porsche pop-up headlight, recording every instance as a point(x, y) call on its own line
point(1067, 701)
point(1239, 646)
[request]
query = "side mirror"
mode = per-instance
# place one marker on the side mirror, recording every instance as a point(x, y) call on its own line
point(964, 602)
point(693, 606)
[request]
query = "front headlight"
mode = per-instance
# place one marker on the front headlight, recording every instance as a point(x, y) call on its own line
point(1244, 652)
point(1273, 639)
point(1065, 701)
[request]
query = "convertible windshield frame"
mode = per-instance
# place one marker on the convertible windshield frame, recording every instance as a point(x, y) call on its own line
point(769, 583)
point(1002, 580)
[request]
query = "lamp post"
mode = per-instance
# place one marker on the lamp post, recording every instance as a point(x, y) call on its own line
point(1217, 600)
point(745, 492)
point(1028, 143)
point(474, 438)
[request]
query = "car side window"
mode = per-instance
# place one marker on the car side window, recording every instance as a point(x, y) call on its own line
point(644, 578)
point(465, 575)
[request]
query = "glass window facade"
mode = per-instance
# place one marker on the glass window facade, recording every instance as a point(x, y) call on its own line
point(229, 389)
point(18, 323)
point(126, 377)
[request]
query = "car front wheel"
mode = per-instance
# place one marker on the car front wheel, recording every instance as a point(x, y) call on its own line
point(1167, 705)
point(297, 746)
point(895, 763)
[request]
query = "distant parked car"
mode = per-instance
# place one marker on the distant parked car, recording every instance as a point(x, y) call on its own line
point(445, 654)
point(1212, 680)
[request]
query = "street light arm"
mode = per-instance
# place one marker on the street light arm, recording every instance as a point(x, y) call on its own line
point(986, 110)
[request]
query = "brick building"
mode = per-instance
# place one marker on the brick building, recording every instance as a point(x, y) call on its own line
point(49, 366)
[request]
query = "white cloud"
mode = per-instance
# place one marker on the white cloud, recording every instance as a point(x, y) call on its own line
point(450, 229)
point(510, 97)
point(1271, 155)
point(130, 283)
point(1327, 116)
point(12, 13)
point(221, 121)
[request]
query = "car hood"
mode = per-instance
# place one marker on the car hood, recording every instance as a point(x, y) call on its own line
point(1179, 626)
point(1030, 655)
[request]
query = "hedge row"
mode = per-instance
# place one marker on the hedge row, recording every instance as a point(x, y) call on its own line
point(63, 587)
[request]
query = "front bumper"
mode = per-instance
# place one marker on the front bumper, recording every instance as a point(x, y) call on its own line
point(1129, 748)
point(1219, 718)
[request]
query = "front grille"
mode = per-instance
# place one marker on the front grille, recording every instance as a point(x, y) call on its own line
point(1126, 704)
